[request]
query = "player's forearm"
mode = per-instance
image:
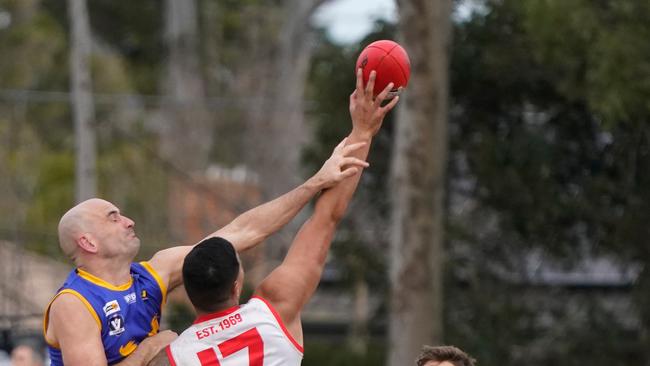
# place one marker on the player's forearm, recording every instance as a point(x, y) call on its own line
point(136, 359)
point(258, 223)
point(341, 194)
point(141, 356)
point(159, 360)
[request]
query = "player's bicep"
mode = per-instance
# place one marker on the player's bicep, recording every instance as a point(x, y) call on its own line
point(77, 332)
point(241, 237)
point(290, 286)
point(284, 288)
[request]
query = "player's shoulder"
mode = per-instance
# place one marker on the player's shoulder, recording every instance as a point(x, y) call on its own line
point(260, 306)
point(254, 302)
point(68, 301)
point(68, 309)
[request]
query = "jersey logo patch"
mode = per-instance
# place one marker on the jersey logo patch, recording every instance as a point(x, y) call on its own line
point(116, 325)
point(130, 298)
point(143, 295)
point(111, 307)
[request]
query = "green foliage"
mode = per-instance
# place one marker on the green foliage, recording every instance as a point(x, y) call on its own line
point(550, 123)
point(32, 47)
point(597, 52)
point(531, 138)
point(551, 118)
point(39, 153)
point(179, 316)
point(52, 197)
point(133, 30)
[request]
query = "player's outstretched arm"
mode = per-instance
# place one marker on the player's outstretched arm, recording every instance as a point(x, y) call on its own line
point(161, 359)
point(255, 225)
point(77, 334)
point(291, 285)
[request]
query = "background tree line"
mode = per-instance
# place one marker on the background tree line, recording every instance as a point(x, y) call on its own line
point(543, 159)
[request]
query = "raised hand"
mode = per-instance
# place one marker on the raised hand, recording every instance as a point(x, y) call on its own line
point(340, 165)
point(366, 111)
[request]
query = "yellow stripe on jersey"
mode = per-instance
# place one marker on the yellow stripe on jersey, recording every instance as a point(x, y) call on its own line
point(99, 282)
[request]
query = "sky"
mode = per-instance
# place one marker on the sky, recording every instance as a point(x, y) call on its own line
point(348, 21)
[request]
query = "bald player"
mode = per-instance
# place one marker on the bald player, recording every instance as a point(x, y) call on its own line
point(108, 310)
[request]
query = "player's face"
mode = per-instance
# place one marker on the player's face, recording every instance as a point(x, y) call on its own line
point(114, 231)
point(22, 356)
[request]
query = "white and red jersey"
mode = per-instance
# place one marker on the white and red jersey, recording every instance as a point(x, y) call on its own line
point(251, 334)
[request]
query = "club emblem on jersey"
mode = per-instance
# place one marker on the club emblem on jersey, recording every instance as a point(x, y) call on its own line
point(111, 307)
point(128, 348)
point(115, 325)
point(130, 298)
point(143, 295)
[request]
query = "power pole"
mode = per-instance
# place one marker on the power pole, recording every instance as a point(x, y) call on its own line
point(83, 108)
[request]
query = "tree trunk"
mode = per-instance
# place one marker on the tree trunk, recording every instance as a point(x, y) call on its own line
point(279, 130)
point(83, 109)
point(418, 183)
point(276, 125)
point(186, 130)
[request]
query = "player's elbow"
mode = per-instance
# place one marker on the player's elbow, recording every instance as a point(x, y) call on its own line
point(328, 219)
point(333, 214)
point(338, 214)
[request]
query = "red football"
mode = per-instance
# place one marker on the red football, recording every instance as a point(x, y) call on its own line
point(389, 60)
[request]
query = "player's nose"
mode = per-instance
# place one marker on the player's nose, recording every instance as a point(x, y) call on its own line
point(129, 223)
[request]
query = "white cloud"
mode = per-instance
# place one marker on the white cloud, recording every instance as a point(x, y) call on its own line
point(348, 21)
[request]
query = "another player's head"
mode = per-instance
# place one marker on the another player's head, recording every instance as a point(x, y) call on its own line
point(444, 356)
point(96, 227)
point(25, 355)
point(212, 275)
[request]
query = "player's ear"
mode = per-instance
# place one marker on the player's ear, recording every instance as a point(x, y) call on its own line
point(87, 243)
point(237, 288)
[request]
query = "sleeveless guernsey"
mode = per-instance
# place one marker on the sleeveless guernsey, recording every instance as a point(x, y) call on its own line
point(251, 334)
point(125, 314)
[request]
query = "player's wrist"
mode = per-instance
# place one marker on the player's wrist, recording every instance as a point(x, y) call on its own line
point(315, 184)
point(361, 134)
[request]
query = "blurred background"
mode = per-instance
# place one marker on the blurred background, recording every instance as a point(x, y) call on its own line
point(507, 206)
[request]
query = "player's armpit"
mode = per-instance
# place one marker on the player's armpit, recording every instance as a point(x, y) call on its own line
point(168, 263)
point(275, 290)
point(290, 286)
point(74, 328)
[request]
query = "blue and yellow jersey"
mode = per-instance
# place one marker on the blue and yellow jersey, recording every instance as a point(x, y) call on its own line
point(125, 314)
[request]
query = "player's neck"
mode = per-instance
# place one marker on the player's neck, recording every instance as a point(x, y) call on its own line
point(221, 307)
point(113, 272)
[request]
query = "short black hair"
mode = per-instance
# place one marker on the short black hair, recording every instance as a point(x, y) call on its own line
point(209, 273)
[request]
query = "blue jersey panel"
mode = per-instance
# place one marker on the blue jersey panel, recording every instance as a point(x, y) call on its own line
point(126, 314)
